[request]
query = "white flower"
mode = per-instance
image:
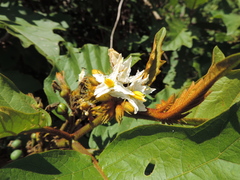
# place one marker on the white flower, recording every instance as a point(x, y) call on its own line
point(110, 85)
point(140, 90)
point(121, 85)
point(123, 68)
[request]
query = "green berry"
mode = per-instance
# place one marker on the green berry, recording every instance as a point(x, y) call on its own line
point(16, 154)
point(33, 136)
point(64, 93)
point(16, 143)
point(62, 109)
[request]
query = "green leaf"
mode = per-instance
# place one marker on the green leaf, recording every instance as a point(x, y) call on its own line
point(217, 55)
point(56, 164)
point(103, 134)
point(172, 73)
point(32, 29)
point(155, 59)
point(224, 94)
point(89, 57)
point(231, 21)
point(209, 152)
point(178, 35)
point(13, 122)
point(135, 58)
point(17, 112)
point(11, 97)
point(164, 152)
point(194, 4)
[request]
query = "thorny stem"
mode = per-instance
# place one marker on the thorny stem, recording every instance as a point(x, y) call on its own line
point(87, 128)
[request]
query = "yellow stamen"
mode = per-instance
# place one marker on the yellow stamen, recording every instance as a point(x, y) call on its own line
point(96, 71)
point(93, 81)
point(128, 107)
point(119, 112)
point(109, 82)
point(104, 97)
point(138, 95)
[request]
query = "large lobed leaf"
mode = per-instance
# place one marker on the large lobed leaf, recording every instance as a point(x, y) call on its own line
point(178, 35)
point(56, 164)
point(32, 29)
point(17, 112)
point(231, 21)
point(210, 151)
point(175, 152)
point(225, 93)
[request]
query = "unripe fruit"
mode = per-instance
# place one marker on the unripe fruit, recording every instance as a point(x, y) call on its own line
point(64, 93)
point(33, 136)
point(16, 143)
point(62, 109)
point(16, 154)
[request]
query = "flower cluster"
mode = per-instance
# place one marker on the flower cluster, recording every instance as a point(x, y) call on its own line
point(120, 84)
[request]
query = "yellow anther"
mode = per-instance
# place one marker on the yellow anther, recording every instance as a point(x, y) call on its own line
point(109, 82)
point(96, 71)
point(104, 97)
point(138, 95)
point(128, 107)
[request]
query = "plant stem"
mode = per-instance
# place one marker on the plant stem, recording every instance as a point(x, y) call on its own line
point(87, 128)
point(116, 22)
point(51, 130)
point(79, 148)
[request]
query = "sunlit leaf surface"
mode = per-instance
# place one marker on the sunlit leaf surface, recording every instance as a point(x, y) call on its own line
point(17, 112)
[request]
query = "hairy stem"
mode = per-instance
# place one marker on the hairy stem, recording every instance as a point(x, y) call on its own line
point(51, 130)
point(87, 128)
point(79, 148)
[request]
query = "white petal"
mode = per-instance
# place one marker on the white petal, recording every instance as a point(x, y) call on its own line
point(114, 57)
point(101, 89)
point(99, 77)
point(81, 75)
point(121, 88)
point(124, 71)
point(137, 104)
